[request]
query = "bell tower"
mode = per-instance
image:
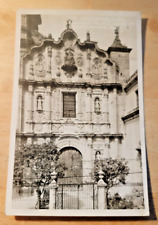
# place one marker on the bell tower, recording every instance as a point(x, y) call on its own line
point(119, 53)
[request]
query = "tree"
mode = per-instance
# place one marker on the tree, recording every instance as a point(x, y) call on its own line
point(115, 172)
point(34, 164)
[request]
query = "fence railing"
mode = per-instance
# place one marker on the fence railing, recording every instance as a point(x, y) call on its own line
point(76, 196)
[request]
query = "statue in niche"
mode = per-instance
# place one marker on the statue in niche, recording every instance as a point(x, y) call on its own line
point(39, 103)
point(97, 105)
point(40, 66)
point(69, 65)
point(69, 57)
point(98, 155)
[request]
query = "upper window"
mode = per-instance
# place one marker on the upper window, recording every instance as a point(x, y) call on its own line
point(69, 105)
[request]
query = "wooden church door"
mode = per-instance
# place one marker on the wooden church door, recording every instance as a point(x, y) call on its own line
point(72, 160)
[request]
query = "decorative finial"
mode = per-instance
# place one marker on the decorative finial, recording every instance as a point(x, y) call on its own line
point(117, 32)
point(69, 22)
point(88, 36)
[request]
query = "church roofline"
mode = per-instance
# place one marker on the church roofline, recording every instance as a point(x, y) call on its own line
point(132, 81)
point(118, 49)
point(117, 46)
point(131, 115)
point(87, 44)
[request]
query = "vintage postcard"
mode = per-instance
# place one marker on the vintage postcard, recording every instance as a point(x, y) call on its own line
point(77, 136)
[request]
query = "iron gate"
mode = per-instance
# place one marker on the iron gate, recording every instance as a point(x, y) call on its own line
point(76, 196)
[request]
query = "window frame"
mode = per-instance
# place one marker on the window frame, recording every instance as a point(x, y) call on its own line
point(70, 94)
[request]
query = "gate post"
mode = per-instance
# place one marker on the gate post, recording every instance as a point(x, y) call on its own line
point(102, 201)
point(52, 192)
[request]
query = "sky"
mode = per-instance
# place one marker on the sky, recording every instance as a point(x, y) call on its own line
point(101, 26)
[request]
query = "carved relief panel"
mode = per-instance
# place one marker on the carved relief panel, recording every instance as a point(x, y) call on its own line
point(97, 68)
point(40, 66)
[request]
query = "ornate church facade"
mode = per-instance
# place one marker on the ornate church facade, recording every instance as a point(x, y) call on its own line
point(80, 97)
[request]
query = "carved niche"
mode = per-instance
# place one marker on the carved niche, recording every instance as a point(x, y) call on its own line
point(97, 105)
point(80, 60)
point(40, 66)
point(96, 68)
point(69, 62)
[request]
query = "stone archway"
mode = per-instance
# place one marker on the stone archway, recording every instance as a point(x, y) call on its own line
point(72, 159)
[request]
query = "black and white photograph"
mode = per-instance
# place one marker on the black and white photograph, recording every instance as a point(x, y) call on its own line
point(77, 143)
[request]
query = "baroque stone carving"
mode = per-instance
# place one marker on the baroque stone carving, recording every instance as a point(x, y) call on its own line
point(58, 59)
point(40, 66)
point(69, 61)
point(96, 68)
point(80, 61)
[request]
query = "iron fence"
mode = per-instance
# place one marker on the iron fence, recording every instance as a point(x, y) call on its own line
point(76, 196)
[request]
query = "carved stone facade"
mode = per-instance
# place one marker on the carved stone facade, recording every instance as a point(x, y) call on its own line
point(97, 79)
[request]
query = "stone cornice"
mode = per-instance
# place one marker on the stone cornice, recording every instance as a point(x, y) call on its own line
point(131, 115)
point(54, 83)
point(132, 81)
point(57, 135)
point(118, 49)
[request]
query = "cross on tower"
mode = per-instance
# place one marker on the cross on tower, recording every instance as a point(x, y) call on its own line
point(69, 22)
point(117, 31)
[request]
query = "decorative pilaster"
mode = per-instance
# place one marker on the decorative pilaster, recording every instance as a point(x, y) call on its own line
point(106, 149)
point(30, 103)
point(48, 104)
point(31, 72)
point(20, 109)
point(88, 105)
point(49, 50)
point(114, 153)
point(105, 106)
point(58, 102)
point(89, 63)
point(113, 111)
point(89, 159)
point(80, 114)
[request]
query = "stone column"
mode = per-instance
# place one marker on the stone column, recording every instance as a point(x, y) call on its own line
point(58, 104)
point(53, 105)
point(105, 106)
point(88, 160)
point(49, 50)
point(48, 103)
point(113, 110)
point(20, 109)
point(106, 149)
point(88, 105)
point(114, 148)
point(80, 99)
point(31, 73)
point(52, 193)
point(29, 103)
point(102, 201)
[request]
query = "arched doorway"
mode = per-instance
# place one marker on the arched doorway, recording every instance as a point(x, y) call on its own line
point(71, 158)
